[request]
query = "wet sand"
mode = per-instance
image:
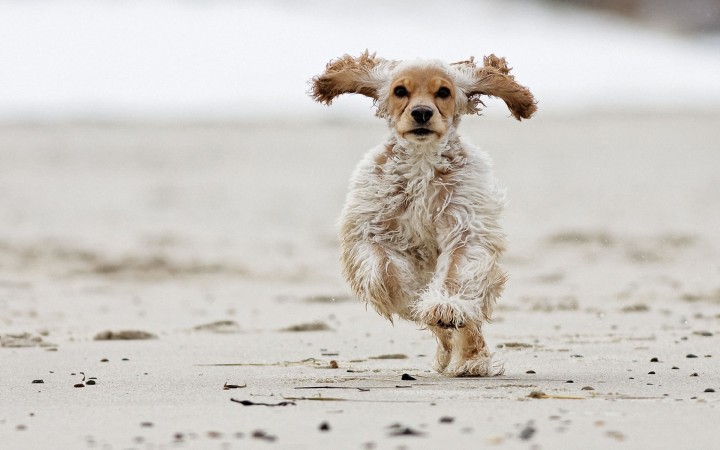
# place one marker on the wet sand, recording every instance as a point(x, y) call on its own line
point(217, 241)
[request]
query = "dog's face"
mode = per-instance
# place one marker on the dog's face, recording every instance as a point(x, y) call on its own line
point(422, 99)
point(421, 103)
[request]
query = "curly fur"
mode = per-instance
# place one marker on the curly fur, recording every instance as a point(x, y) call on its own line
point(420, 237)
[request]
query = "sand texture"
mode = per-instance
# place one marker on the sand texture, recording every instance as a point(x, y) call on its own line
point(177, 286)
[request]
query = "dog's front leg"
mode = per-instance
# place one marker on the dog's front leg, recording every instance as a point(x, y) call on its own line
point(377, 275)
point(468, 279)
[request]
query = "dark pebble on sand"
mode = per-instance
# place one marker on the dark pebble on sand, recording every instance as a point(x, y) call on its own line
point(532, 372)
point(709, 390)
point(569, 381)
point(447, 419)
point(654, 360)
point(694, 374)
point(652, 372)
point(79, 385)
point(90, 382)
point(104, 360)
point(37, 382)
point(527, 433)
point(407, 377)
point(690, 355)
point(587, 388)
point(675, 368)
point(324, 426)
point(260, 434)
point(146, 424)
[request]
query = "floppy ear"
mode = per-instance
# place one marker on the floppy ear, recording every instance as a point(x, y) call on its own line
point(494, 79)
point(349, 75)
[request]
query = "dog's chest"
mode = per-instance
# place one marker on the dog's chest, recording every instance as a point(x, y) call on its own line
point(419, 193)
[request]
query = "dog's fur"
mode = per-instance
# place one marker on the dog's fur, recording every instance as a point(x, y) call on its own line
point(419, 230)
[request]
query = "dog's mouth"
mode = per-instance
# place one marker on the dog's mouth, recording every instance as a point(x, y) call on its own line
point(422, 131)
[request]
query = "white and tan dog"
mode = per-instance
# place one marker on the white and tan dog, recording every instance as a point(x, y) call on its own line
point(419, 230)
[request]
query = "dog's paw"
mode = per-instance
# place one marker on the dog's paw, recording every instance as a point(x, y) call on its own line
point(483, 366)
point(443, 315)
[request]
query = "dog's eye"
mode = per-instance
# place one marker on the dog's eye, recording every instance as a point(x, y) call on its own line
point(400, 91)
point(443, 92)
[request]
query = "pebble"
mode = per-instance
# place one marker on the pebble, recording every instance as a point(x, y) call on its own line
point(37, 382)
point(690, 355)
point(654, 360)
point(587, 388)
point(709, 390)
point(407, 377)
point(527, 433)
point(694, 374)
point(447, 419)
point(675, 368)
point(530, 372)
point(652, 372)
point(324, 426)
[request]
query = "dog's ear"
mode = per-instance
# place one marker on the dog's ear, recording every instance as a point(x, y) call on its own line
point(494, 79)
point(350, 75)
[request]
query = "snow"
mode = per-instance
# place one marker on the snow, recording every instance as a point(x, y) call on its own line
point(226, 59)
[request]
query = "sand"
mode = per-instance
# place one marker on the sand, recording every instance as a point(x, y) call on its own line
point(214, 244)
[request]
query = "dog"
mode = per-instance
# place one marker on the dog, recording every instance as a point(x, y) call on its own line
point(419, 230)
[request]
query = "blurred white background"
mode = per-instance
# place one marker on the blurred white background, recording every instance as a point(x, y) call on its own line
point(221, 59)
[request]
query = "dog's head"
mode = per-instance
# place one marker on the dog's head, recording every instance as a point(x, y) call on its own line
point(421, 99)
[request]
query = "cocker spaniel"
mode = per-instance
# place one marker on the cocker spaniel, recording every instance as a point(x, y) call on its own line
point(419, 230)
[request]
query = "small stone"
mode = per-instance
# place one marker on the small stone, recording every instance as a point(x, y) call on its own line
point(37, 382)
point(709, 390)
point(90, 382)
point(652, 372)
point(569, 381)
point(104, 360)
point(654, 360)
point(690, 355)
point(146, 424)
point(333, 364)
point(587, 388)
point(447, 419)
point(79, 385)
point(324, 426)
point(532, 372)
point(407, 377)
point(694, 374)
point(527, 433)
point(675, 368)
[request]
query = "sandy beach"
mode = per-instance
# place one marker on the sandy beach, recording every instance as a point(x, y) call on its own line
point(213, 245)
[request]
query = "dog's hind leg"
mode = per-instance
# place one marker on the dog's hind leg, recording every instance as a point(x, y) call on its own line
point(471, 357)
point(444, 350)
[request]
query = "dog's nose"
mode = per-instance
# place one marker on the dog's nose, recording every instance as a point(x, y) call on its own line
point(421, 114)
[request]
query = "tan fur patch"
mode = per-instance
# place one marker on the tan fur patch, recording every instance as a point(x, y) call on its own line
point(422, 86)
point(344, 75)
